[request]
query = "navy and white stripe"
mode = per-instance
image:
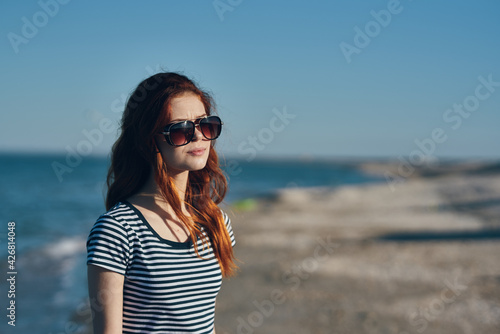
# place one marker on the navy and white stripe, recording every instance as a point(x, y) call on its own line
point(167, 288)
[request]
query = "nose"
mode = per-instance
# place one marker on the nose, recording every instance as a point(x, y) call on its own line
point(197, 133)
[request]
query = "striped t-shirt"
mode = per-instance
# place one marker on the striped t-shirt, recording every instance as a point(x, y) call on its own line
point(167, 287)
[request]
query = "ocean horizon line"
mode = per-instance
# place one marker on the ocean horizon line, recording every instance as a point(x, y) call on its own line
point(271, 157)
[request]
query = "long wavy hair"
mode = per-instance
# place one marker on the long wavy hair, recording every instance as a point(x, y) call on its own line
point(135, 153)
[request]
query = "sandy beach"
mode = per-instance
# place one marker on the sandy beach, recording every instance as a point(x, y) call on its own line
point(416, 256)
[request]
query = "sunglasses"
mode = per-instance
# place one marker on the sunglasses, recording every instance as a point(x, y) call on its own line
point(182, 133)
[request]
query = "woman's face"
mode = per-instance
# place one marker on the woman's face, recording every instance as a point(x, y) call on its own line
point(194, 155)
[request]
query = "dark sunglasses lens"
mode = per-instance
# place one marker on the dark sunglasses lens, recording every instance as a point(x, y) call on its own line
point(211, 127)
point(181, 133)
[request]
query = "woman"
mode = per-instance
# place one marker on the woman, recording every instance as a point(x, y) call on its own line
point(157, 256)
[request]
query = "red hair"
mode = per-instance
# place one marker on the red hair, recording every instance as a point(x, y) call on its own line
point(135, 153)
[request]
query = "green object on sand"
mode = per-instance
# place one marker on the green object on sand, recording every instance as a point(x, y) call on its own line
point(247, 204)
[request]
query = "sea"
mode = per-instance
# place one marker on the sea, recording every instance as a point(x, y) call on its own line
point(49, 204)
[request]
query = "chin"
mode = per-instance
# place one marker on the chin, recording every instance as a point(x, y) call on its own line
point(196, 165)
point(195, 169)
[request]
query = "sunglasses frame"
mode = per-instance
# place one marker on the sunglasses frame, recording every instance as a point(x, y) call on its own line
point(196, 123)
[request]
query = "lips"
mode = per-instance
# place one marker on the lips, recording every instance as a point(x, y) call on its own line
point(197, 151)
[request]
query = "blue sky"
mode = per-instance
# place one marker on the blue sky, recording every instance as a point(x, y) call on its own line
point(282, 83)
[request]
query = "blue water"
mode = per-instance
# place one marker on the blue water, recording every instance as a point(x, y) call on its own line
point(54, 215)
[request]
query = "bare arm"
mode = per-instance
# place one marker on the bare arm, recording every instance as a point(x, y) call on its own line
point(106, 299)
point(214, 324)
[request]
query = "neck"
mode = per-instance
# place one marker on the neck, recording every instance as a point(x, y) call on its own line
point(180, 180)
point(151, 193)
